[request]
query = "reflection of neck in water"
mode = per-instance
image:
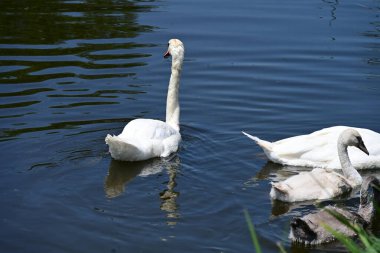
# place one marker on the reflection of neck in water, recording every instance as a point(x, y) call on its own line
point(121, 173)
point(169, 196)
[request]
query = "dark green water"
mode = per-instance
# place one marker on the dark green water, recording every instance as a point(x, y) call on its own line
point(73, 71)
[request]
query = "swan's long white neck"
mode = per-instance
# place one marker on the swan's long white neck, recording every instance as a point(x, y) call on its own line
point(172, 103)
point(348, 169)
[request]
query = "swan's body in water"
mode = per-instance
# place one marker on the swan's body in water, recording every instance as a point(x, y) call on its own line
point(318, 149)
point(143, 139)
point(322, 183)
point(310, 228)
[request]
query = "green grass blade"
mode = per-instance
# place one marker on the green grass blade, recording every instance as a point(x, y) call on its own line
point(342, 220)
point(252, 231)
point(364, 238)
point(368, 241)
point(348, 242)
point(282, 250)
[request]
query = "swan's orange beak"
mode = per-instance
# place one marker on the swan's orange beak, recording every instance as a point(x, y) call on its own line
point(167, 54)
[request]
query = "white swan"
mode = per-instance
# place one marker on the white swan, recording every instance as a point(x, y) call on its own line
point(322, 183)
point(318, 149)
point(142, 139)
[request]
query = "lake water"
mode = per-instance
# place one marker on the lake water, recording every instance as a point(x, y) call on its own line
point(73, 71)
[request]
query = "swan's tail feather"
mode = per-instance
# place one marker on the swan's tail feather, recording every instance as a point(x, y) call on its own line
point(279, 191)
point(280, 188)
point(121, 150)
point(266, 145)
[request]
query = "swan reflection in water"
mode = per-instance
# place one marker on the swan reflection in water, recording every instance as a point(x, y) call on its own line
point(169, 196)
point(277, 172)
point(121, 173)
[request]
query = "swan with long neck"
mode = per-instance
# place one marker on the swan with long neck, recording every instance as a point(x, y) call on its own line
point(318, 149)
point(142, 139)
point(311, 228)
point(172, 104)
point(321, 183)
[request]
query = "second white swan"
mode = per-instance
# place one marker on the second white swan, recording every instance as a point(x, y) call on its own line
point(318, 149)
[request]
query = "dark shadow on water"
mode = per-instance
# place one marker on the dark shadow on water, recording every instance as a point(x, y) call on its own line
point(64, 61)
point(49, 22)
point(120, 174)
point(333, 4)
point(281, 208)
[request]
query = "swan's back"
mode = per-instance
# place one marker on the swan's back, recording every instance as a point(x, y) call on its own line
point(147, 129)
point(314, 150)
point(310, 228)
point(316, 184)
point(143, 139)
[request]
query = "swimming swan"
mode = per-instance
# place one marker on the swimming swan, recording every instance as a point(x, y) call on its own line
point(142, 139)
point(323, 183)
point(318, 149)
point(310, 228)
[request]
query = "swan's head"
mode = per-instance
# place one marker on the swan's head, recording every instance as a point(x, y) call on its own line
point(175, 49)
point(351, 137)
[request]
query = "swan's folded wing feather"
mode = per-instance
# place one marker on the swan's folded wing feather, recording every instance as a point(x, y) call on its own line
point(315, 184)
point(147, 129)
point(317, 146)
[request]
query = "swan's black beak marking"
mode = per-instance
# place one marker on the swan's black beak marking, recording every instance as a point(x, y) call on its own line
point(362, 147)
point(167, 54)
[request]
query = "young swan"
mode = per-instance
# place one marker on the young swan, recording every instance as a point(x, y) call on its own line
point(321, 183)
point(143, 139)
point(310, 229)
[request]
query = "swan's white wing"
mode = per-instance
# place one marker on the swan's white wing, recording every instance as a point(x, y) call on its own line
point(317, 149)
point(316, 184)
point(300, 145)
point(147, 129)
